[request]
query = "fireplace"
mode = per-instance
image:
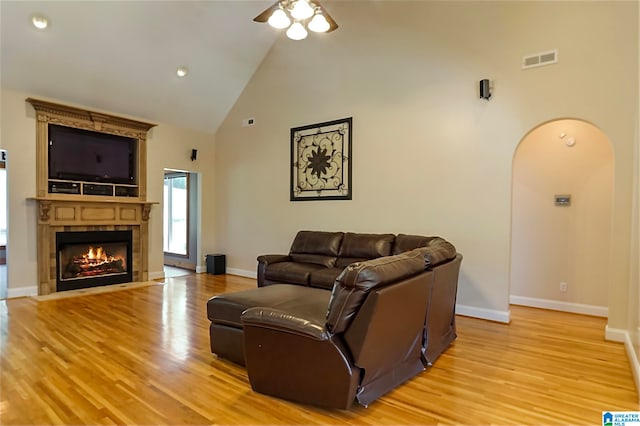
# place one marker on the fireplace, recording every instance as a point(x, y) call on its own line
point(93, 258)
point(80, 206)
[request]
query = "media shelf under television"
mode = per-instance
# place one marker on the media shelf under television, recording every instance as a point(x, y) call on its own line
point(71, 187)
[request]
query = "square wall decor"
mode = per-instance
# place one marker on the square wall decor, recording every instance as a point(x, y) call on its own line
point(321, 161)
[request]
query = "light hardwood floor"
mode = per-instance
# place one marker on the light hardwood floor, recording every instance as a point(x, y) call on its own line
point(141, 356)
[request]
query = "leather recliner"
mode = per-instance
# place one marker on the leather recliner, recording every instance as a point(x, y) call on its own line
point(367, 341)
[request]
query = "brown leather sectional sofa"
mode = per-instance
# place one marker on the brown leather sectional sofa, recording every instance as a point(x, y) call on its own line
point(390, 312)
point(317, 258)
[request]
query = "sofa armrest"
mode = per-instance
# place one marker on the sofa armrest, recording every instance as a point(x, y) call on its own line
point(266, 260)
point(285, 322)
point(439, 251)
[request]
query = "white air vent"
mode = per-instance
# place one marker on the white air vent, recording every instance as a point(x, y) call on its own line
point(540, 59)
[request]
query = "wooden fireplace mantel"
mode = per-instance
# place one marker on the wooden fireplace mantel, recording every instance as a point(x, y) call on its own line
point(68, 209)
point(61, 212)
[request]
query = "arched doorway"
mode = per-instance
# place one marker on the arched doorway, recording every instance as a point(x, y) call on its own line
point(561, 218)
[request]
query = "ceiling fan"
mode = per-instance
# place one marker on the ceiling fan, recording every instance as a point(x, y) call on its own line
point(298, 16)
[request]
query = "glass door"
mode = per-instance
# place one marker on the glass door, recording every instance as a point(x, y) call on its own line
point(176, 213)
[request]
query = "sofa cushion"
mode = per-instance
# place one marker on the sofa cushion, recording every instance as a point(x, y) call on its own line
point(324, 278)
point(406, 242)
point(358, 279)
point(365, 246)
point(317, 242)
point(227, 308)
point(291, 272)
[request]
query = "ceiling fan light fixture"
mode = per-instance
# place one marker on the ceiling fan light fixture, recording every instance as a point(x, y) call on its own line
point(279, 19)
point(298, 16)
point(302, 10)
point(297, 31)
point(319, 23)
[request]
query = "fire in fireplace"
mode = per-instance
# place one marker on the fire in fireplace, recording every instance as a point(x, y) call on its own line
point(95, 261)
point(92, 258)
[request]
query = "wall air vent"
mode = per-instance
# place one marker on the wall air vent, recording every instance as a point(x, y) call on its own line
point(540, 59)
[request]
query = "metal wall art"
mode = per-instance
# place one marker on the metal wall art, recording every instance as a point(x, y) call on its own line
point(321, 161)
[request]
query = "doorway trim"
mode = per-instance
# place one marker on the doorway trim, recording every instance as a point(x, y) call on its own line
point(560, 134)
point(193, 260)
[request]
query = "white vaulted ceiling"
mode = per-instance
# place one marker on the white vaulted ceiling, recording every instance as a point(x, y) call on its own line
point(122, 56)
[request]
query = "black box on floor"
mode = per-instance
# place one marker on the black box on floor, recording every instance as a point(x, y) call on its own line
point(216, 264)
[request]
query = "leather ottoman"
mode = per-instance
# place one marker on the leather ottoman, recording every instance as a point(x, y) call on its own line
point(224, 311)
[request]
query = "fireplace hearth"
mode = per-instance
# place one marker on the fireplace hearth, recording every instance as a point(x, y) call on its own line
point(93, 258)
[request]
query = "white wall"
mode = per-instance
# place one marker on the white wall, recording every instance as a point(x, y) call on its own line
point(552, 244)
point(18, 137)
point(168, 147)
point(429, 157)
point(632, 341)
point(633, 322)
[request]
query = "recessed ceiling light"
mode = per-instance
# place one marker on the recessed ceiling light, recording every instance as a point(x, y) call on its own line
point(39, 21)
point(182, 71)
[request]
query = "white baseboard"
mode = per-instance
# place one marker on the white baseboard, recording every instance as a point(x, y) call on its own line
point(623, 336)
point(22, 292)
point(157, 275)
point(615, 334)
point(201, 269)
point(554, 305)
point(482, 313)
point(469, 311)
point(242, 272)
point(634, 360)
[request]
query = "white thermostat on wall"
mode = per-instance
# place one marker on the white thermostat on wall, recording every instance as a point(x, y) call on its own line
point(563, 200)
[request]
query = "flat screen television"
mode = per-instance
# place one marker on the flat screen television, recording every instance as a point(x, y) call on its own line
point(83, 155)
